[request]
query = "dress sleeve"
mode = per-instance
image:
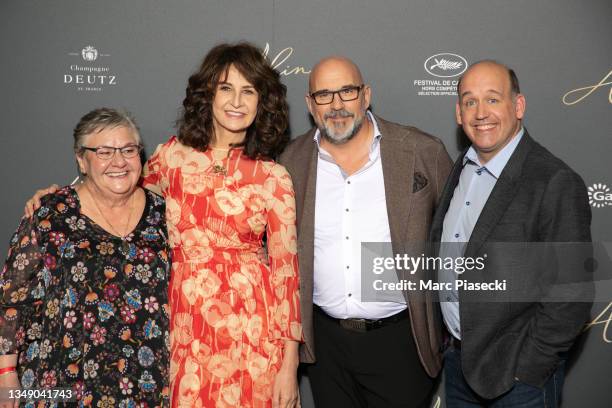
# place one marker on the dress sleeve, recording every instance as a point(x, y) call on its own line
point(21, 283)
point(152, 171)
point(284, 319)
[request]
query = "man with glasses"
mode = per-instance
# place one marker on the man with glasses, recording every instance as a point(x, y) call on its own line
point(359, 178)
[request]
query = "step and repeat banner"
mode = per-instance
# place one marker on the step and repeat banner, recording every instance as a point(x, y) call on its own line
point(63, 58)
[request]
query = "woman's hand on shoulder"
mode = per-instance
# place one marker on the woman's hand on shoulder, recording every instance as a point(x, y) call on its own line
point(33, 203)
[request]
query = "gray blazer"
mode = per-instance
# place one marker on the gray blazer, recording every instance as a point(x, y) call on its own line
point(537, 198)
point(415, 168)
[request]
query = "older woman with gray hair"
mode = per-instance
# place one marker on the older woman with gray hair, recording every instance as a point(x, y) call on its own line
point(83, 304)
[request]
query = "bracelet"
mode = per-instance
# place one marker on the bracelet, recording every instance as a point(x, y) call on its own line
point(7, 370)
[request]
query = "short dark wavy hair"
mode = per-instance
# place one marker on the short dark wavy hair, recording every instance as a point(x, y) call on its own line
point(267, 136)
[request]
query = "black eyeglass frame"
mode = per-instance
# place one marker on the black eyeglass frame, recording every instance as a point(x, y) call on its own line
point(121, 150)
point(358, 88)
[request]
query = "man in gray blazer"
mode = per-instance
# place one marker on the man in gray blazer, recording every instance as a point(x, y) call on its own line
point(359, 178)
point(508, 348)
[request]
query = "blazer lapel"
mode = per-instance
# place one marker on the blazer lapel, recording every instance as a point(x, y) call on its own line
point(397, 156)
point(307, 214)
point(447, 195)
point(501, 196)
point(305, 183)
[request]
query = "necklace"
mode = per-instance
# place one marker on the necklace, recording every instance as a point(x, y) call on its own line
point(114, 230)
point(218, 167)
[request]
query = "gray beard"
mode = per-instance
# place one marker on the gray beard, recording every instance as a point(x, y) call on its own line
point(339, 139)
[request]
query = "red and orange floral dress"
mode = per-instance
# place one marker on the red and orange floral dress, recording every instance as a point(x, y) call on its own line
point(231, 310)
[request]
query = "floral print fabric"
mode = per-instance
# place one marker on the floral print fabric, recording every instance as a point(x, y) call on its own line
point(231, 309)
point(88, 310)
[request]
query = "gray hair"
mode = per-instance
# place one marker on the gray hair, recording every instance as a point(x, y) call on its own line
point(100, 119)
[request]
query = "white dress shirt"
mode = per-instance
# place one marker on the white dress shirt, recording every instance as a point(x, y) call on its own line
point(349, 210)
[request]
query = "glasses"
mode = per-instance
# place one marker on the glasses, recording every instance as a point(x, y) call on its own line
point(108, 152)
point(346, 94)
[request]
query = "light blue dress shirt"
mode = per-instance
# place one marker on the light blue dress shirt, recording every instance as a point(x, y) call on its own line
point(469, 198)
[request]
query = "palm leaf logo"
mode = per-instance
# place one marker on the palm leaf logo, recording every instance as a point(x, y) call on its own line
point(446, 65)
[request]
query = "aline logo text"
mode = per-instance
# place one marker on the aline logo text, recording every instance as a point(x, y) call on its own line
point(580, 94)
point(280, 62)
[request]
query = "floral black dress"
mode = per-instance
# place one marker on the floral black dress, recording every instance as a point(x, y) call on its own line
point(88, 310)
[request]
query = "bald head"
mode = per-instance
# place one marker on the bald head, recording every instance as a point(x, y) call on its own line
point(495, 66)
point(338, 67)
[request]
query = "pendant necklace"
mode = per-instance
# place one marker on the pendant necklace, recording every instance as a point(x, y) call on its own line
point(124, 243)
point(218, 167)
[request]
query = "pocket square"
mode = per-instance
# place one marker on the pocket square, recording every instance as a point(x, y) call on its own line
point(419, 183)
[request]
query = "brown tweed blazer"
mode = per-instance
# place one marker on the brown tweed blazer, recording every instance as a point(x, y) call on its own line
point(415, 167)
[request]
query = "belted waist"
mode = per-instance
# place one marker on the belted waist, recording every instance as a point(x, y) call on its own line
point(216, 255)
point(363, 325)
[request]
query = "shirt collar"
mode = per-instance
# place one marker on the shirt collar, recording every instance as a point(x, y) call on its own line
point(496, 165)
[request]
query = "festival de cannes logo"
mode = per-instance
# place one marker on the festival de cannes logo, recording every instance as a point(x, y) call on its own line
point(445, 65)
point(599, 195)
point(89, 53)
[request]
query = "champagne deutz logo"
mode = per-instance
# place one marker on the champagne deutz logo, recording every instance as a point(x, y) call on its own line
point(90, 72)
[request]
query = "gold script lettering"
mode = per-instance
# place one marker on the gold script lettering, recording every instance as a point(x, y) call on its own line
point(601, 319)
point(279, 61)
point(588, 90)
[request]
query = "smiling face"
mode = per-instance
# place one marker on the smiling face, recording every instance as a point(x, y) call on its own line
point(115, 177)
point(487, 109)
point(340, 120)
point(234, 105)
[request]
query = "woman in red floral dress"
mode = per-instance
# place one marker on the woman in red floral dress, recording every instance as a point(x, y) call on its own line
point(235, 322)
